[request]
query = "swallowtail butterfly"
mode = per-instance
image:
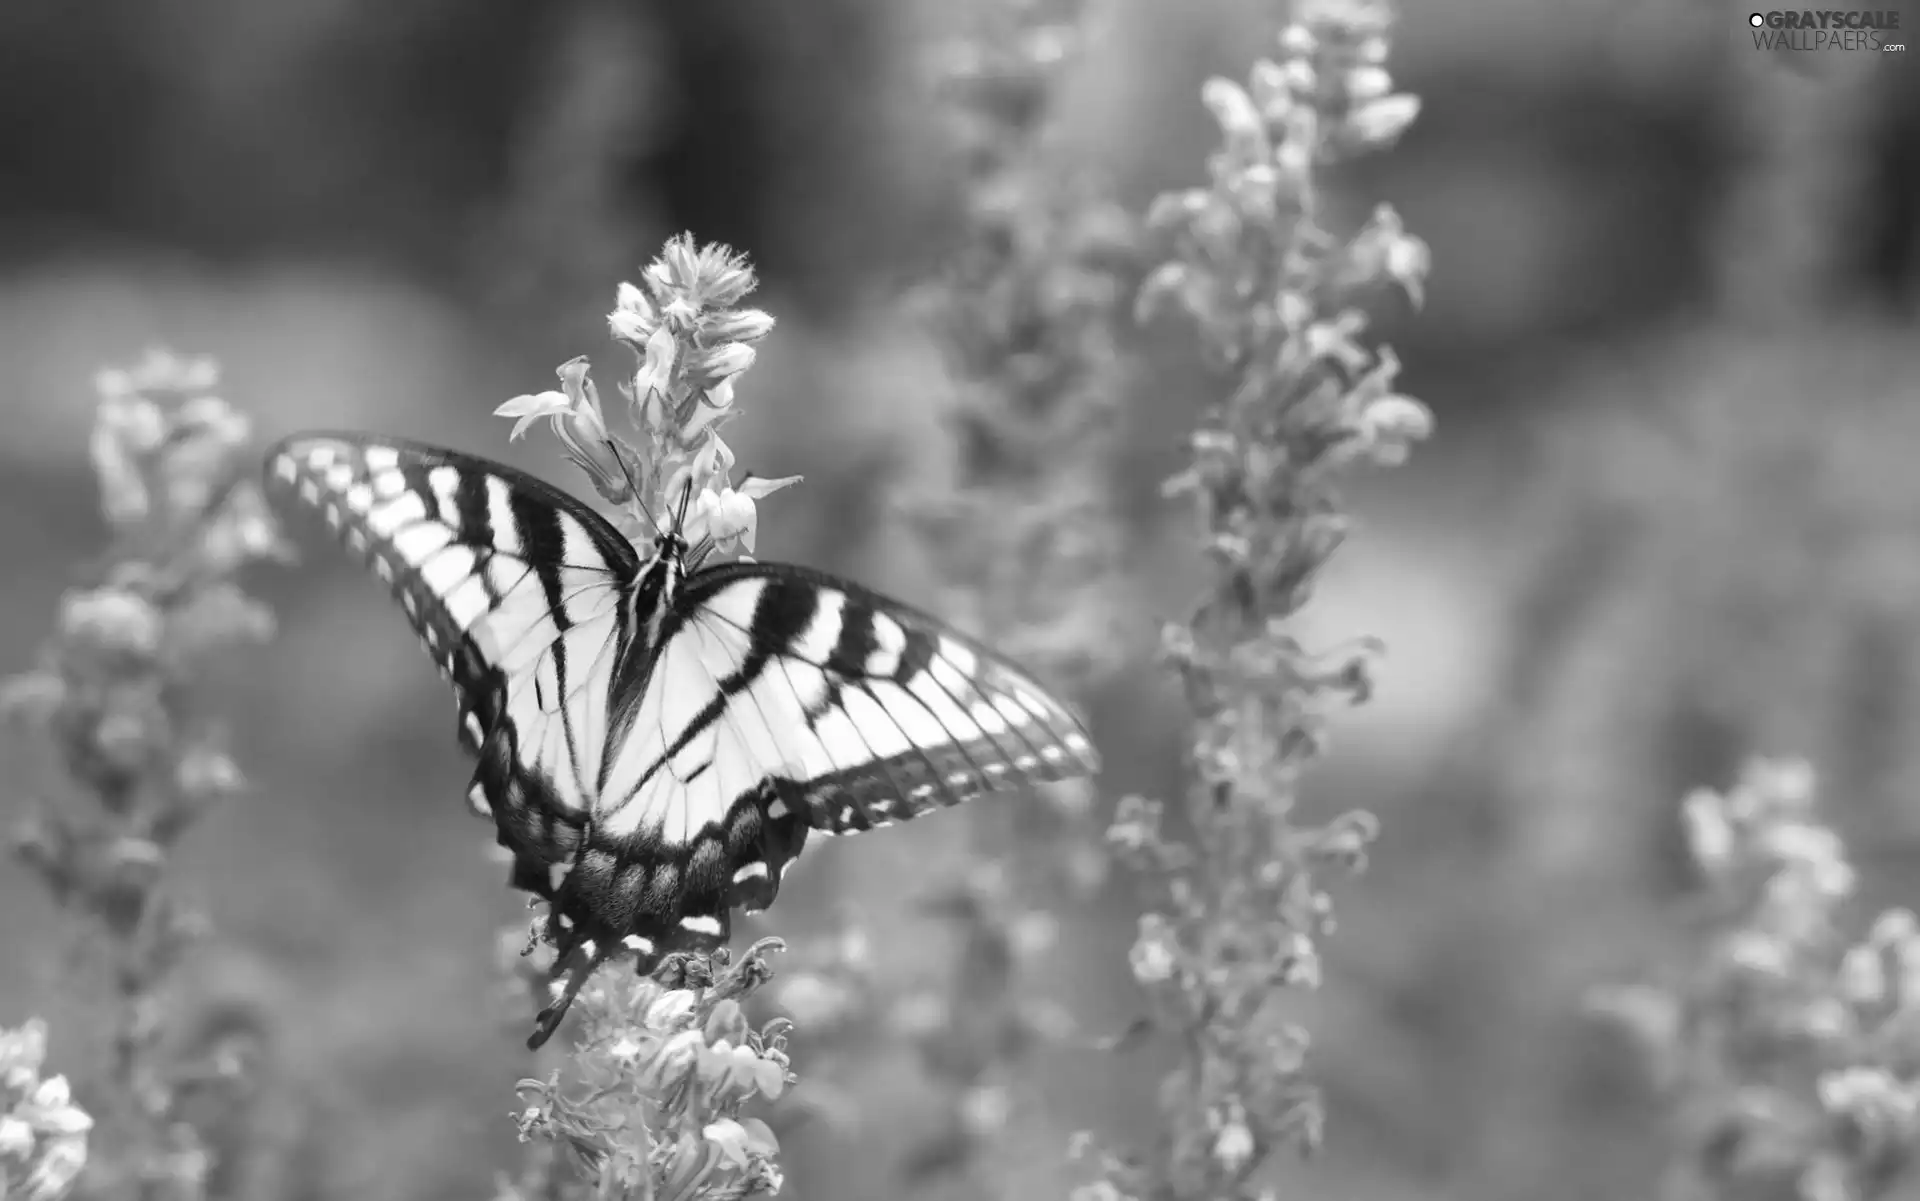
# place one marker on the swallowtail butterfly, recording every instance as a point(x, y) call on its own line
point(656, 738)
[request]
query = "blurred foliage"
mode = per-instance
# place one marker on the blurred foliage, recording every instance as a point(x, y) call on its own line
point(1276, 300)
point(1666, 526)
point(1788, 1048)
point(115, 701)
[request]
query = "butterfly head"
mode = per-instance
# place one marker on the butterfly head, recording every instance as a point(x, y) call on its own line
point(659, 580)
point(670, 545)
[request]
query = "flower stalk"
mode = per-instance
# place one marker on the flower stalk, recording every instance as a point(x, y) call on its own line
point(1275, 299)
point(113, 700)
point(1787, 1048)
point(649, 1100)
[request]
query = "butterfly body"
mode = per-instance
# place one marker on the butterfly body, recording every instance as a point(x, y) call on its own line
point(656, 738)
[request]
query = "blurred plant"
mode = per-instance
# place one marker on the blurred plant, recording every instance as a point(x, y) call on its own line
point(1020, 530)
point(1708, 563)
point(1789, 1052)
point(971, 1036)
point(1274, 297)
point(114, 699)
point(648, 1103)
point(1025, 314)
point(43, 1134)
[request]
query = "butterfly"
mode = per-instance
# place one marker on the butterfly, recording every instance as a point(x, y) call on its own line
point(657, 736)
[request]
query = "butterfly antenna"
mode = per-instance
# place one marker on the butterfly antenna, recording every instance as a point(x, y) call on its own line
point(686, 498)
point(699, 552)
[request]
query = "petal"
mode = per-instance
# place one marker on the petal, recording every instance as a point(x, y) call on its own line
point(16, 1138)
point(726, 1023)
point(723, 361)
point(633, 317)
point(738, 325)
point(770, 1078)
point(531, 407)
point(656, 373)
point(574, 382)
point(760, 1136)
point(731, 1137)
point(740, 517)
point(24, 1047)
point(66, 1121)
point(702, 516)
point(755, 488)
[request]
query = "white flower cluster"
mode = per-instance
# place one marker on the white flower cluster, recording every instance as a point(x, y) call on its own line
point(43, 1134)
point(693, 343)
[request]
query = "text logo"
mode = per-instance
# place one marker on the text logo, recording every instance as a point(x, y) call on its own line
point(1875, 31)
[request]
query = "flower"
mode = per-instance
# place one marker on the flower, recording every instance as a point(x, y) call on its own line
point(692, 346)
point(115, 621)
point(575, 415)
point(43, 1134)
point(727, 515)
point(657, 1083)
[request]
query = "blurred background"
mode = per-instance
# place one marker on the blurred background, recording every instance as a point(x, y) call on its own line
point(1667, 522)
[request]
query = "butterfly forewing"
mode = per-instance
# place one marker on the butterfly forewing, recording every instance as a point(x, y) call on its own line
point(653, 749)
point(515, 590)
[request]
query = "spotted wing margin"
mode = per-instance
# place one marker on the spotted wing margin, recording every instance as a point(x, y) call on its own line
point(515, 588)
point(776, 692)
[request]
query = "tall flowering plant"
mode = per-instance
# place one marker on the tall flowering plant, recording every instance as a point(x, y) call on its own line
point(1788, 1048)
point(1275, 299)
point(650, 1102)
point(114, 699)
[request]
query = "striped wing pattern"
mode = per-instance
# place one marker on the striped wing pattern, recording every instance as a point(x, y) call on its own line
point(648, 785)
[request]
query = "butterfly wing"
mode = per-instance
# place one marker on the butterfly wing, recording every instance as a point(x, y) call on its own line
point(819, 702)
point(516, 589)
point(649, 781)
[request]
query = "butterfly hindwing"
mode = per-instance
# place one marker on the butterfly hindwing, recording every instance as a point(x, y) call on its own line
point(826, 700)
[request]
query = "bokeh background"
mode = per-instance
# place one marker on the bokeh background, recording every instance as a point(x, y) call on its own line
point(1669, 519)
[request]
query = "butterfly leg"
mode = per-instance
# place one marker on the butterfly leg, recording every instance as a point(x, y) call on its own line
point(585, 959)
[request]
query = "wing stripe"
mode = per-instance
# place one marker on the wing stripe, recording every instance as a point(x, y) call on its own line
point(473, 511)
point(539, 530)
point(781, 615)
point(849, 658)
point(917, 661)
point(853, 657)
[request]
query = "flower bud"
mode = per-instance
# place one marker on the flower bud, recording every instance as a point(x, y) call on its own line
point(113, 620)
point(16, 1138)
point(1863, 975)
point(738, 325)
point(710, 366)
